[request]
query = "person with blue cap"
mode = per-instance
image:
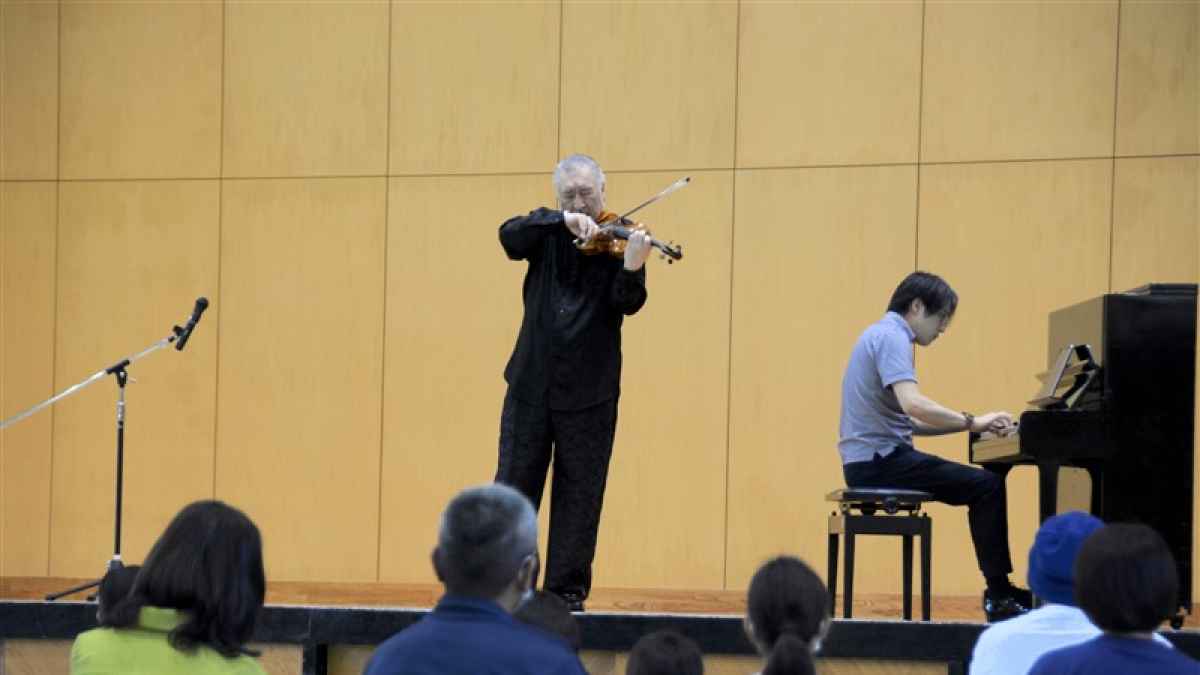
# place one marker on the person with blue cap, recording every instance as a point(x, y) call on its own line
point(1014, 645)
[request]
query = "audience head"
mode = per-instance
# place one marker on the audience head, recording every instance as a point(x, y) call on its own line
point(549, 612)
point(487, 545)
point(665, 652)
point(1126, 580)
point(1052, 557)
point(114, 586)
point(207, 564)
point(787, 615)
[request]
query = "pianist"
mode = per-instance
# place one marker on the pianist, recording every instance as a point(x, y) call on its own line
point(882, 409)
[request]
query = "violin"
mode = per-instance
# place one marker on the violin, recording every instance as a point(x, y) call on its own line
point(613, 237)
point(615, 230)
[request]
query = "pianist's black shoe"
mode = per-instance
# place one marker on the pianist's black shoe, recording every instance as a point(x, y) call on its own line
point(1006, 605)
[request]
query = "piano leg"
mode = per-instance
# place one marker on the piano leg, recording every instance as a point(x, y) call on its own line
point(1047, 490)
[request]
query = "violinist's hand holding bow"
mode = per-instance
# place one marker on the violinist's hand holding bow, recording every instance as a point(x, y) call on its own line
point(581, 225)
point(637, 250)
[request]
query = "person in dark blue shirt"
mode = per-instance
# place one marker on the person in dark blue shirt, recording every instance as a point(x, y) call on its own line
point(1127, 584)
point(487, 559)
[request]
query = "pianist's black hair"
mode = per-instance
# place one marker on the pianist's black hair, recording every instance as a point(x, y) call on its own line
point(932, 290)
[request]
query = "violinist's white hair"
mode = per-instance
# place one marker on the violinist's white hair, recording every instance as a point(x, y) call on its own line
point(573, 164)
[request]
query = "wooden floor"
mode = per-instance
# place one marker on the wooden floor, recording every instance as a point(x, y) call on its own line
point(945, 608)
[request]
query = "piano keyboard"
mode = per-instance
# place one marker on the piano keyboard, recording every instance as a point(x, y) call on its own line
point(997, 448)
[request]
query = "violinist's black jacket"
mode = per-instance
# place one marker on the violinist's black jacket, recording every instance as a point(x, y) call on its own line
point(568, 353)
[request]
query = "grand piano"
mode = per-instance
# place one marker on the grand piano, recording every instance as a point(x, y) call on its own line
point(1118, 400)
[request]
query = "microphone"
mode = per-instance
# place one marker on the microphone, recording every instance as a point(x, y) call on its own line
point(182, 334)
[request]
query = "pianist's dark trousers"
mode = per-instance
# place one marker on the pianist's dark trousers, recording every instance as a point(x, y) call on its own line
point(956, 484)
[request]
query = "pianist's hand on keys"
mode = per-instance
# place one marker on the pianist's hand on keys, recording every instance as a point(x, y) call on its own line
point(1000, 432)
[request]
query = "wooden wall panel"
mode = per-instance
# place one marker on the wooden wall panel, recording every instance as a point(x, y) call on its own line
point(1156, 221)
point(828, 83)
point(344, 89)
point(29, 97)
point(141, 90)
point(1016, 241)
point(1018, 80)
point(649, 85)
point(28, 213)
point(453, 311)
point(806, 281)
point(132, 259)
point(484, 104)
point(306, 88)
point(665, 499)
point(298, 438)
point(1158, 83)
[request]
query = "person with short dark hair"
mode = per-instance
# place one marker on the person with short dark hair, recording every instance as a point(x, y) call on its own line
point(547, 611)
point(787, 615)
point(882, 409)
point(114, 587)
point(193, 605)
point(487, 559)
point(1127, 584)
point(665, 652)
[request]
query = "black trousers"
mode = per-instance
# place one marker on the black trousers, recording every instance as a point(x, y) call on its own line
point(980, 490)
point(580, 443)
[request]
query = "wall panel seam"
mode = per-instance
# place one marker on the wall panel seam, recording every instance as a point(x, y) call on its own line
point(1112, 184)
point(387, 223)
point(220, 232)
point(737, 65)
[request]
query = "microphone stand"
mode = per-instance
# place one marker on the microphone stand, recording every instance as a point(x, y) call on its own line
point(120, 371)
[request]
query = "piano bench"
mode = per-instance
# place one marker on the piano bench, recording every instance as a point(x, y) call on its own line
point(858, 514)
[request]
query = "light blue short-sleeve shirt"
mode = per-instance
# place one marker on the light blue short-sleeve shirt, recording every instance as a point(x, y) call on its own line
point(872, 420)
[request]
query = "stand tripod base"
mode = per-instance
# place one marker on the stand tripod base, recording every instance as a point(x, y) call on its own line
point(113, 564)
point(71, 591)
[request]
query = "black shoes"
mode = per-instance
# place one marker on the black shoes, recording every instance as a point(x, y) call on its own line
point(573, 600)
point(1007, 604)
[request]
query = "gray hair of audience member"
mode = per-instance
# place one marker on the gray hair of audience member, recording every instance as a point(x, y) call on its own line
point(574, 164)
point(486, 535)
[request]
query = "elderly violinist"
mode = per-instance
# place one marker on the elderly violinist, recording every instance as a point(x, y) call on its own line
point(565, 371)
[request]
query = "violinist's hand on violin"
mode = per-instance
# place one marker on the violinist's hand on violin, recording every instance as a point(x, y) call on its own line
point(581, 225)
point(637, 250)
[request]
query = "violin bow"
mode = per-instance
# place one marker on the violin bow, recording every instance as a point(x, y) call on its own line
point(670, 188)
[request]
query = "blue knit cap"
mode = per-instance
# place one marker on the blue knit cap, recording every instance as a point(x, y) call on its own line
point(1052, 558)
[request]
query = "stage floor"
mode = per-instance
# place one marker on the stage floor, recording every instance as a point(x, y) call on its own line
point(622, 600)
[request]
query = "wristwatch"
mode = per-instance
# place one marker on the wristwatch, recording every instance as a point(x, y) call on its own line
point(970, 420)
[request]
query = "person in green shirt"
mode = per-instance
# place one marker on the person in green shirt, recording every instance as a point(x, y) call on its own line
point(193, 605)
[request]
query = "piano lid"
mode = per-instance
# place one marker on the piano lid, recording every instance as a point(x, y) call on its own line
point(1163, 289)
